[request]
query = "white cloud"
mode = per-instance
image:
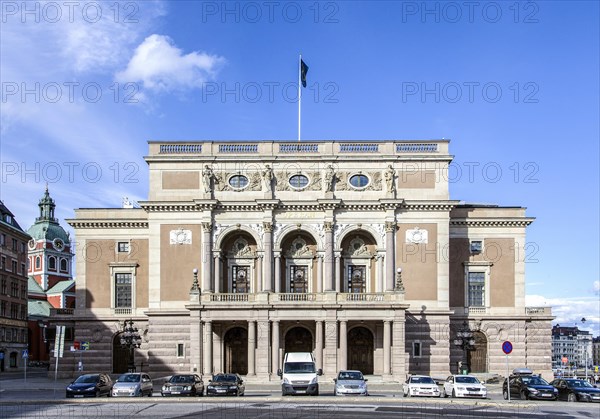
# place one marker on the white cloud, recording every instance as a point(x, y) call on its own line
point(570, 311)
point(160, 66)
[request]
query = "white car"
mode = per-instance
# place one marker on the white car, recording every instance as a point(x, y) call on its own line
point(420, 385)
point(464, 386)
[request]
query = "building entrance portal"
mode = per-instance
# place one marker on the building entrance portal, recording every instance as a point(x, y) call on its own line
point(236, 351)
point(478, 356)
point(298, 339)
point(360, 350)
point(120, 356)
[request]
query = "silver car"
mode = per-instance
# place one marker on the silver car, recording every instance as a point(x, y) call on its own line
point(350, 383)
point(133, 384)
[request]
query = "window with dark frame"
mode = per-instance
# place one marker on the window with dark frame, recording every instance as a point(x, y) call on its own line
point(123, 290)
point(356, 279)
point(52, 263)
point(416, 349)
point(476, 287)
point(180, 350)
point(476, 246)
point(123, 247)
point(298, 276)
point(239, 280)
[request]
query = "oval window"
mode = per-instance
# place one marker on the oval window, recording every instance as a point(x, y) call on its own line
point(298, 181)
point(238, 181)
point(359, 181)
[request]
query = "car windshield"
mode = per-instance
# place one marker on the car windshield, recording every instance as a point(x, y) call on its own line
point(225, 377)
point(181, 378)
point(422, 380)
point(87, 379)
point(467, 380)
point(350, 375)
point(299, 367)
point(578, 383)
point(534, 381)
point(129, 378)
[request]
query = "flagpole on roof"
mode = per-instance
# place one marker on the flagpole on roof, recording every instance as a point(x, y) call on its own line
point(299, 94)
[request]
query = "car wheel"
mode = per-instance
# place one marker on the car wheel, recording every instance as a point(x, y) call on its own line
point(505, 394)
point(572, 397)
point(453, 394)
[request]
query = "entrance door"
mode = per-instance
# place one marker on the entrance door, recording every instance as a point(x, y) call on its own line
point(120, 356)
point(236, 351)
point(478, 356)
point(298, 339)
point(360, 350)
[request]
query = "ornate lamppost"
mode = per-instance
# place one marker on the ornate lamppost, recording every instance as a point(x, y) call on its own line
point(131, 339)
point(464, 340)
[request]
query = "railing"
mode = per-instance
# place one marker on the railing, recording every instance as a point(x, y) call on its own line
point(61, 311)
point(476, 310)
point(363, 297)
point(416, 148)
point(299, 148)
point(180, 148)
point(238, 148)
point(122, 311)
point(530, 311)
point(297, 297)
point(230, 297)
point(359, 148)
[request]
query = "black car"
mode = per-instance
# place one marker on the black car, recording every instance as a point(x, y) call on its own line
point(183, 385)
point(225, 385)
point(576, 390)
point(90, 385)
point(529, 386)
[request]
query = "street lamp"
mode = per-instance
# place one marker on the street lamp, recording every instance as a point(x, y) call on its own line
point(583, 320)
point(464, 340)
point(131, 339)
point(195, 286)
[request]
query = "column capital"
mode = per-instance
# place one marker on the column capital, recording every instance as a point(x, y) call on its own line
point(207, 227)
point(328, 226)
point(268, 226)
point(390, 226)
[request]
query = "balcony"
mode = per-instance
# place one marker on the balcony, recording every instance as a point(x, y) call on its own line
point(476, 310)
point(300, 298)
point(61, 312)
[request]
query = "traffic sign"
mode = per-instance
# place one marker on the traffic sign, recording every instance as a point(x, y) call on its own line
point(507, 347)
point(76, 345)
point(24, 354)
point(565, 359)
point(85, 346)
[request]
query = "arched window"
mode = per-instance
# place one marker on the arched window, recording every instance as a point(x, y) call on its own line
point(52, 263)
point(38, 262)
point(63, 265)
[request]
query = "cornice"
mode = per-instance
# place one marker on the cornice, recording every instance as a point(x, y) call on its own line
point(491, 222)
point(107, 223)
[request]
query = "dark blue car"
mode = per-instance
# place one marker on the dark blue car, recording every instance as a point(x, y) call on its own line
point(576, 390)
point(90, 385)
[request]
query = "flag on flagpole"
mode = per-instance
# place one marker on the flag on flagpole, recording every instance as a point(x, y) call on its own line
point(303, 71)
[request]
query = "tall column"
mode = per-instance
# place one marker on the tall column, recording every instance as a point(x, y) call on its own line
point(319, 273)
point(319, 343)
point(275, 347)
point(268, 259)
point(206, 257)
point(338, 283)
point(330, 351)
point(217, 265)
point(390, 257)
point(328, 274)
point(195, 342)
point(251, 347)
point(277, 272)
point(343, 355)
point(258, 284)
point(387, 346)
point(208, 348)
point(262, 348)
point(380, 286)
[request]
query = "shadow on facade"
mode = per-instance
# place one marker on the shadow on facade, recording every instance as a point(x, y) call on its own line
point(420, 343)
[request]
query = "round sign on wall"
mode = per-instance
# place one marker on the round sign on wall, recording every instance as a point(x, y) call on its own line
point(507, 347)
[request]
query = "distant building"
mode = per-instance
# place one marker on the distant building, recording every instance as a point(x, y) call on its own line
point(50, 284)
point(351, 250)
point(573, 344)
point(13, 290)
point(596, 350)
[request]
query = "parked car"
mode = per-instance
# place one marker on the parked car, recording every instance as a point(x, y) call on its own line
point(226, 385)
point(463, 386)
point(183, 385)
point(350, 383)
point(525, 385)
point(133, 385)
point(90, 385)
point(576, 390)
point(420, 385)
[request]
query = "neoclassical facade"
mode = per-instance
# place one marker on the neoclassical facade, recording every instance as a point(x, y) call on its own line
point(351, 250)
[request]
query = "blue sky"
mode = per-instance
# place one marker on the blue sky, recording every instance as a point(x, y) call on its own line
point(515, 86)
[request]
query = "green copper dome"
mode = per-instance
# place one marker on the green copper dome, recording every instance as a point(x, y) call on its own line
point(46, 226)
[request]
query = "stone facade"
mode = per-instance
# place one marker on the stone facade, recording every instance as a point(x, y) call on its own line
point(351, 250)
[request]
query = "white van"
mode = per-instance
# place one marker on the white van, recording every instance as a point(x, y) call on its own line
point(300, 374)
